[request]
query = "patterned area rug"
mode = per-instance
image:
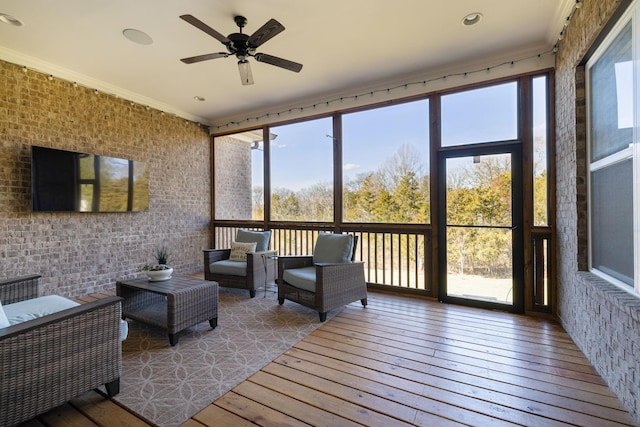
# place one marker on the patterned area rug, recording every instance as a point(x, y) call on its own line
point(167, 385)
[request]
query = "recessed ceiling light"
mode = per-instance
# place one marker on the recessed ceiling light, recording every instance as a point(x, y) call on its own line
point(472, 18)
point(199, 98)
point(10, 20)
point(137, 36)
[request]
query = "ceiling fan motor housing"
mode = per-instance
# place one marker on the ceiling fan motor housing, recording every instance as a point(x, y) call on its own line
point(238, 45)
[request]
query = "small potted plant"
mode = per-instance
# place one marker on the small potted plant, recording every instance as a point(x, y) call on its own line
point(160, 271)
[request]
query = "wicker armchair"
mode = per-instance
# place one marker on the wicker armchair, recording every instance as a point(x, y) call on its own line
point(325, 281)
point(249, 275)
point(50, 360)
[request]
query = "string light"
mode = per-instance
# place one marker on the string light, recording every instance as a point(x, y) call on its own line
point(465, 74)
point(577, 5)
point(388, 90)
point(75, 84)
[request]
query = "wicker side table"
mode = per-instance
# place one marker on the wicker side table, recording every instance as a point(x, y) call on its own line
point(174, 304)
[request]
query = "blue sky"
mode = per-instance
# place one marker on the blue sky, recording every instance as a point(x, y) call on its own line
point(370, 138)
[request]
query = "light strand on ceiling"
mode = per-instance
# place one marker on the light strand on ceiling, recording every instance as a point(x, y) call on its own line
point(576, 6)
point(51, 78)
point(371, 93)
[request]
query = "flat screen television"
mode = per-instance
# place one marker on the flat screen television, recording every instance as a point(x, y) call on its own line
point(66, 181)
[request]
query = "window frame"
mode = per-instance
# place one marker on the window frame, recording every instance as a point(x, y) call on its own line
point(344, 142)
point(632, 151)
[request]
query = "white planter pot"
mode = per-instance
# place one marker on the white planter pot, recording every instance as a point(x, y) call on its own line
point(159, 275)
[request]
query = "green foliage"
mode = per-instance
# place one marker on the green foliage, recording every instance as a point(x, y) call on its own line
point(398, 192)
point(285, 206)
point(157, 267)
point(162, 256)
point(540, 213)
point(480, 196)
point(108, 193)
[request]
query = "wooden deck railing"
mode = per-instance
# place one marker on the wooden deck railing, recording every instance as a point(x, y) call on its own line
point(395, 256)
point(542, 273)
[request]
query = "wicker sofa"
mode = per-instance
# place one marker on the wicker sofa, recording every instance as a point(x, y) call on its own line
point(49, 360)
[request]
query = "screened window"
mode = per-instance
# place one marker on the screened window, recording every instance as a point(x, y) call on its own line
point(486, 114)
point(540, 153)
point(302, 171)
point(385, 165)
point(612, 163)
point(238, 175)
point(611, 101)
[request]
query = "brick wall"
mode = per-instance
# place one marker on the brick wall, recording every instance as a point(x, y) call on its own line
point(232, 157)
point(602, 319)
point(80, 253)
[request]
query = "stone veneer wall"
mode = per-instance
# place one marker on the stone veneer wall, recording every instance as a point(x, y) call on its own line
point(82, 253)
point(602, 319)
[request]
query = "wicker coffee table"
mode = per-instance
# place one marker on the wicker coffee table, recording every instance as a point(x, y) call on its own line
point(173, 304)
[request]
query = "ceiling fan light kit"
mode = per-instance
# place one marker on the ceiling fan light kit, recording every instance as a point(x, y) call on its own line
point(243, 46)
point(245, 72)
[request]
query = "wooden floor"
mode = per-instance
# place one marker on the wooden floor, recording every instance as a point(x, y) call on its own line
point(405, 361)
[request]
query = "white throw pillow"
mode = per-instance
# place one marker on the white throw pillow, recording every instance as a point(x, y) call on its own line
point(4, 322)
point(239, 251)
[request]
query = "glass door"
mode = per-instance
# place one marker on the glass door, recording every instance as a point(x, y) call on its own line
point(480, 234)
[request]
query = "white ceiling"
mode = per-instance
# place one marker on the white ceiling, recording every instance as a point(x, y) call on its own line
point(343, 45)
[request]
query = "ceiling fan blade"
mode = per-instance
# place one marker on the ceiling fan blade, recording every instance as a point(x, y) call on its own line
point(204, 27)
point(278, 62)
point(264, 33)
point(206, 57)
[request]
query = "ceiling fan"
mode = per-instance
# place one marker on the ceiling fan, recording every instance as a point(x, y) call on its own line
point(243, 46)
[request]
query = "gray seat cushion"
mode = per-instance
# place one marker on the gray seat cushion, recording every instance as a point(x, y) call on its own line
point(34, 308)
point(234, 268)
point(261, 238)
point(30, 309)
point(333, 248)
point(303, 278)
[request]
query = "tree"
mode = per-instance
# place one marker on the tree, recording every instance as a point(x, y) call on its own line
point(397, 192)
point(285, 205)
point(258, 203)
point(408, 200)
point(316, 203)
point(364, 201)
point(480, 196)
point(540, 213)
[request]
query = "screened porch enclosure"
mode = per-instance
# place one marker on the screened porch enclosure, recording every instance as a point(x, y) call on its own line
point(392, 258)
point(377, 173)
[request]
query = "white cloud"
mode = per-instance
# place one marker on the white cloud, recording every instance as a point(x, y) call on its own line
point(351, 166)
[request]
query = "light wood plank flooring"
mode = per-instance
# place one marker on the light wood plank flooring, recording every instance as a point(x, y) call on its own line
point(404, 361)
